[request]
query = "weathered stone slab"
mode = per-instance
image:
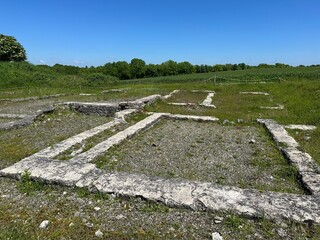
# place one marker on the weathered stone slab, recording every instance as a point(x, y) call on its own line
point(18, 123)
point(23, 120)
point(190, 117)
point(87, 94)
point(279, 107)
point(170, 94)
point(116, 139)
point(50, 171)
point(183, 104)
point(208, 101)
point(301, 127)
point(256, 93)
point(208, 196)
point(278, 132)
point(105, 109)
point(114, 90)
point(203, 91)
point(311, 181)
point(307, 167)
point(303, 161)
point(140, 102)
point(4, 115)
point(124, 113)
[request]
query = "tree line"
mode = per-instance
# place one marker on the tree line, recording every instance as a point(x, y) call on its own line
point(12, 51)
point(137, 68)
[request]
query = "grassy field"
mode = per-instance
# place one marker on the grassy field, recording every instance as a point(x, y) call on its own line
point(297, 89)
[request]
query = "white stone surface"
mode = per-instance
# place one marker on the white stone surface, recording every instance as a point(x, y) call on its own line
point(208, 101)
point(182, 104)
point(301, 127)
point(190, 117)
point(204, 91)
point(44, 224)
point(98, 233)
point(208, 196)
point(4, 115)
point(170, 94)
point(122, 114)
point(216, 236)
point(278, 132)
point(256, 93)
point(114, 90)
point(279, 107)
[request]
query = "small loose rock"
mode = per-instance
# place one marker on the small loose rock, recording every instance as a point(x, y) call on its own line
point(216, 236)
point(44, 224)
point(98, 233)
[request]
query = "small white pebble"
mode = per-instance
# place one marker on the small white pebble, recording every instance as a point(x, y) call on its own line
point(97, 208)
point(216, 236)
point(64, 193)
point(44, 224)
point(89, 225)
point(98, 233)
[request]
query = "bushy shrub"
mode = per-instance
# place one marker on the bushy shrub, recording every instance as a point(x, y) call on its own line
point(96, 79)
point(11, 49)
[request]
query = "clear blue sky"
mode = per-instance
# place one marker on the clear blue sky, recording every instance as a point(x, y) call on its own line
point(92, 33)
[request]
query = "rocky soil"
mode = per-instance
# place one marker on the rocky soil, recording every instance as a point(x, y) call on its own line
point(242, 156)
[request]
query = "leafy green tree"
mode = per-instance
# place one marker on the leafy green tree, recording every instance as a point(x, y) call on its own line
point(137, 68)
point(169, 68)
point(11, 50)
point(152, 70)
point(119, 69)
point(218, 68)
point(185, 68)
point(242, 66)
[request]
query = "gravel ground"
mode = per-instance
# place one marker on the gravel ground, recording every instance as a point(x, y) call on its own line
point(26, 107)
point(75, 214)
point(229, 155)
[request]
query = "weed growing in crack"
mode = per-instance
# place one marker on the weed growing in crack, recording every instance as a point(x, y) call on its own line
point(27, 185)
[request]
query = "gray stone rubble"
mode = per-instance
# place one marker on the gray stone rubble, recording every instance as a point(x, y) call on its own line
point(105, 109)
point(110, 109)
point(22, 119)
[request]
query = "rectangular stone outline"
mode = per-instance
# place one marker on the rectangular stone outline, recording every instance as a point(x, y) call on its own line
point(174, 192)
point(307, 167)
